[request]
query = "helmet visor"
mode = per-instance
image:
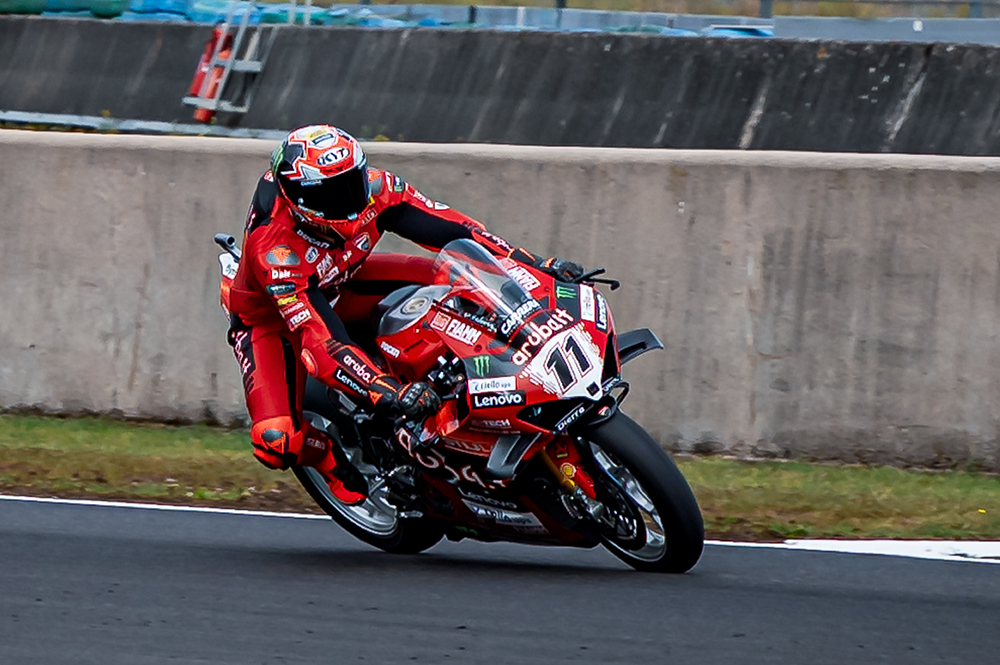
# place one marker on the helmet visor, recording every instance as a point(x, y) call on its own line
point(332, 199)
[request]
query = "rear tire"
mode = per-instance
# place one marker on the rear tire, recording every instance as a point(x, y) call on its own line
point(409, 536)
point(675, 530)
point(375, 521)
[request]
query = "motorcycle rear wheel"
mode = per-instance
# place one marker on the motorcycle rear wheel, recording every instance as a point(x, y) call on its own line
point(646, 477)
point(375, 521)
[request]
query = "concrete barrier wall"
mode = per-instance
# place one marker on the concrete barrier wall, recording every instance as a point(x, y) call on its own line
point(90, 67)
point(586, 89)
point(834, 306)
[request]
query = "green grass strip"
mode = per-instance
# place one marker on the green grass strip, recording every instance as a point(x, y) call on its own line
point(112, 459)
point(102, 458)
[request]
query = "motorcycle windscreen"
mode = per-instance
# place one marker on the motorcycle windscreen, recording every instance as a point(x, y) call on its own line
point(482, 288)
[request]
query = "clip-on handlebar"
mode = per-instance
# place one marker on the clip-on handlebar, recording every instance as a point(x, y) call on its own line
point(592, 277)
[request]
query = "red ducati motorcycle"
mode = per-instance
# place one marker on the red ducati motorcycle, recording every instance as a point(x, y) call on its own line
point(531, 445)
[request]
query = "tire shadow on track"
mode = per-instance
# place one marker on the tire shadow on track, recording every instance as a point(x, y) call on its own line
point(437, 561)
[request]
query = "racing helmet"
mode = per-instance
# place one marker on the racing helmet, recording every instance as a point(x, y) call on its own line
point(322, 173)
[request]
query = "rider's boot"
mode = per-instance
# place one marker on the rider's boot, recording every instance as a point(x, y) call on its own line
point(346, 483)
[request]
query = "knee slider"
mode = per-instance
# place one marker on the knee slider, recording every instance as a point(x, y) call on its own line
point(276, 442)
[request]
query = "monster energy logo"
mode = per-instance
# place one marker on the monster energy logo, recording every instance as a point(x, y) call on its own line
point(481, 365)
point(277, 156)
point(565, 292)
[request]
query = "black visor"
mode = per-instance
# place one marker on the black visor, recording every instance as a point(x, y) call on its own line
point(333, 198)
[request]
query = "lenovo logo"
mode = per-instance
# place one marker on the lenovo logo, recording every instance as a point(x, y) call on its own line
point(495, 400)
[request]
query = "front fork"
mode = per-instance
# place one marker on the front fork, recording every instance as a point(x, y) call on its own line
point(579, 498)
point(563, 459)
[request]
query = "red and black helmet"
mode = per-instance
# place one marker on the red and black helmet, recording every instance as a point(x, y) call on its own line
point(323, 174)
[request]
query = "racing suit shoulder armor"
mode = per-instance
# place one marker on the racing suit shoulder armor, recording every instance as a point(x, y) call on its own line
point(262, 205)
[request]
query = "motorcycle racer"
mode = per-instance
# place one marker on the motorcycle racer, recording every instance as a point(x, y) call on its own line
point(307, 272)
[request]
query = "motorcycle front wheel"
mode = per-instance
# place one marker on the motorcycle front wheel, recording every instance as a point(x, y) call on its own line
point(375, 521)
point(658, 525)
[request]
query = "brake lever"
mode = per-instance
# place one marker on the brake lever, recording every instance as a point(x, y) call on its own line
point(613, 283)
point(592, 277)
point(589, 276)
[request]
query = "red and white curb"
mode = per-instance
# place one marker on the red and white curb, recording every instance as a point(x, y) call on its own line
point(941, 550)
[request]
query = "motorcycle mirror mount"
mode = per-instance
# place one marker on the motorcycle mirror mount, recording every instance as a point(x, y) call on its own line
point(228, 243)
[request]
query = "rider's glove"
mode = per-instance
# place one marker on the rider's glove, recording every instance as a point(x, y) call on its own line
point(417, 399)
point(561, 269)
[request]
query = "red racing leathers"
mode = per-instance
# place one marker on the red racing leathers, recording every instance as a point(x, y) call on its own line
point(283, 323)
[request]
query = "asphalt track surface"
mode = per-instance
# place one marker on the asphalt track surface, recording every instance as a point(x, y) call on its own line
point(83, 584)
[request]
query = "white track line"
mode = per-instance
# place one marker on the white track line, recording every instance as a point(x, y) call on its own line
point(939, 550)
point(161, 506)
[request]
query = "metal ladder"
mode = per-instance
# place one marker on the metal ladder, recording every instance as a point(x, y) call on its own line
point(241, 69)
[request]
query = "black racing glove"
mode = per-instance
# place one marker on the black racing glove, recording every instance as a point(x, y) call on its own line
point(417, 399)
point(561, 269)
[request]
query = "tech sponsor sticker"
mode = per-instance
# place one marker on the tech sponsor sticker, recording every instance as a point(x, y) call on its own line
point(524, 522)
point(229, 266)
point(491, 424)
point(357, 367)
point(389, 349)
point(602, 313)
point(521, 275)
point(291, 309)
point(326, 270)
point(344, 379)
point(500, 384)
point(518, 316)
point(280, 289)
point(497, 400)
point(463, 332)
point(305, 236)
point(440, 321)
point(570, 418)
point(299, 319)
point(586, 302)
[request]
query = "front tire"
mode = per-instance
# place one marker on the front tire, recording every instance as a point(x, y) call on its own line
point(672, 532)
